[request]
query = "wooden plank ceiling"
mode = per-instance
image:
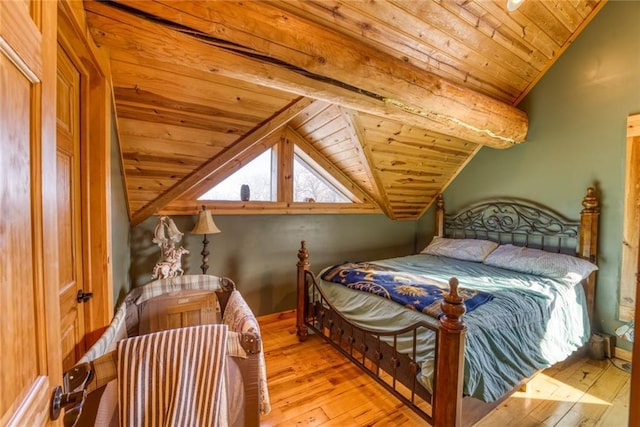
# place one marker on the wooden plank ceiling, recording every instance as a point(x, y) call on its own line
point(396, 96)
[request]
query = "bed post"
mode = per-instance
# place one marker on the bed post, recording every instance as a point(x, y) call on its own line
point(447, 398)
point(440, 216)
point(588, 243)
point(301, 307)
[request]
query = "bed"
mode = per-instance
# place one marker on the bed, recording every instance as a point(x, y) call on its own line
point(173, 309)
point(524, 320)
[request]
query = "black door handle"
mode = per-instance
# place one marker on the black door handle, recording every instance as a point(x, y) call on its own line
point(83, 296)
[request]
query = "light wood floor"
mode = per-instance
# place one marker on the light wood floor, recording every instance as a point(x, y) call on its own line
point(311, 384)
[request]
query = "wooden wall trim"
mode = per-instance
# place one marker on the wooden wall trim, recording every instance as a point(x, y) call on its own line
point(96, 163)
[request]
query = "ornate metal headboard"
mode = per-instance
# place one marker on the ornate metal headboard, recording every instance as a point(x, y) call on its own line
point(516, 222)
point(522, 223)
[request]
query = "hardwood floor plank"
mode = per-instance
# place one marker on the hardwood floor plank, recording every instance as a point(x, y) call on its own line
point(618, 413)
point(592, 405)
point(311, 384)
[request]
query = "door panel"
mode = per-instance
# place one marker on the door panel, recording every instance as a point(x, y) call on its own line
point(68, 210)
point(30, 359)
point(15, 203)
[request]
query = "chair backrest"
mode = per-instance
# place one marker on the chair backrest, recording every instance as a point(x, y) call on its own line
point(179, 309)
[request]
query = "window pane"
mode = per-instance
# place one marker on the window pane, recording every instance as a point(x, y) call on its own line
point(309, 186)
point(256, 174)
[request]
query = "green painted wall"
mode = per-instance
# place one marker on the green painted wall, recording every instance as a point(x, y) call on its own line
point(259, 251)
point(120, 225)
point(577, 138)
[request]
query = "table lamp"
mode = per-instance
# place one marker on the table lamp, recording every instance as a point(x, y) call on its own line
point(205, 225)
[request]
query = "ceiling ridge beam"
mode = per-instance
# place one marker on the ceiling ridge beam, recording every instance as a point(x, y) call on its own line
point(368, 155)
point(245, 143)
point(354, 128)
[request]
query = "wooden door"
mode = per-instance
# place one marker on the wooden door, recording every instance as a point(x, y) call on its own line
point(29, 338)
point(68, 183)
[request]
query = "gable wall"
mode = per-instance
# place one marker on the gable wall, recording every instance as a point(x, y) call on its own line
point(577, 138)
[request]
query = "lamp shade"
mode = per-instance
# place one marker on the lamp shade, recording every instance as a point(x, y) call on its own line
point(205, 224)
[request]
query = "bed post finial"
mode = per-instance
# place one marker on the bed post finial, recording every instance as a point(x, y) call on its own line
point(590, 201)
point(303, 266)
point(453, 308)
point(440, 216)
point(588, 243)
point(447, 405)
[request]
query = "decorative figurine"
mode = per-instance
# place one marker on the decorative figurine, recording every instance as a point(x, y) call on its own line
point(166, 237)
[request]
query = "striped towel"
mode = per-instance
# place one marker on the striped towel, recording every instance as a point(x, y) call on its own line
point(173, 377)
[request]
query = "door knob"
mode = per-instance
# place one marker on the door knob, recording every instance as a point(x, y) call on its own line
point(84, 296)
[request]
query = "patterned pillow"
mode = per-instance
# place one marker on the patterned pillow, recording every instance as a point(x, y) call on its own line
point(535, 261)
point(464, 249)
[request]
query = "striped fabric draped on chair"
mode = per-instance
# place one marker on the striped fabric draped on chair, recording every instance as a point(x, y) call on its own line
point(173, 377)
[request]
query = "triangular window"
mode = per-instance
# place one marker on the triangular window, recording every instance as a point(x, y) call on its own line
point(311, 183)
point(251, 182)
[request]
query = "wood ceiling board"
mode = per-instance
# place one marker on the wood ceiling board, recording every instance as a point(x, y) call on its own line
point(333, 133)
point(320, 120)
point(335, 144)
point(155, 171)
point(400, 35)
point(151, 184)
point(145, 157)
point(413, 134)
point(499, 27)
point(244, 105)
point(381, 152)
point(170, 149)
point(174, 133)
point(565, 13)
point(299, 122)
point(183, 70)
point(546, 21)
point(402, 145)
point(139, 97)
point(528, 32)
point(472, 50)
point(406, 89)
point(188, 120)
point(140, 196)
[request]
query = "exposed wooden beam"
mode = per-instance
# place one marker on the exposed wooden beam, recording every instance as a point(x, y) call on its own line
point(375, 175)
point(181, 207)
point(256, 42)
point(357, 134)
point(210, 167)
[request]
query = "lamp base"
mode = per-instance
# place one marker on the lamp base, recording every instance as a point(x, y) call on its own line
point(205, 255)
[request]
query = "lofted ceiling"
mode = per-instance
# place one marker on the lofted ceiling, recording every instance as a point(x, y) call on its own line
point(394, 98)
